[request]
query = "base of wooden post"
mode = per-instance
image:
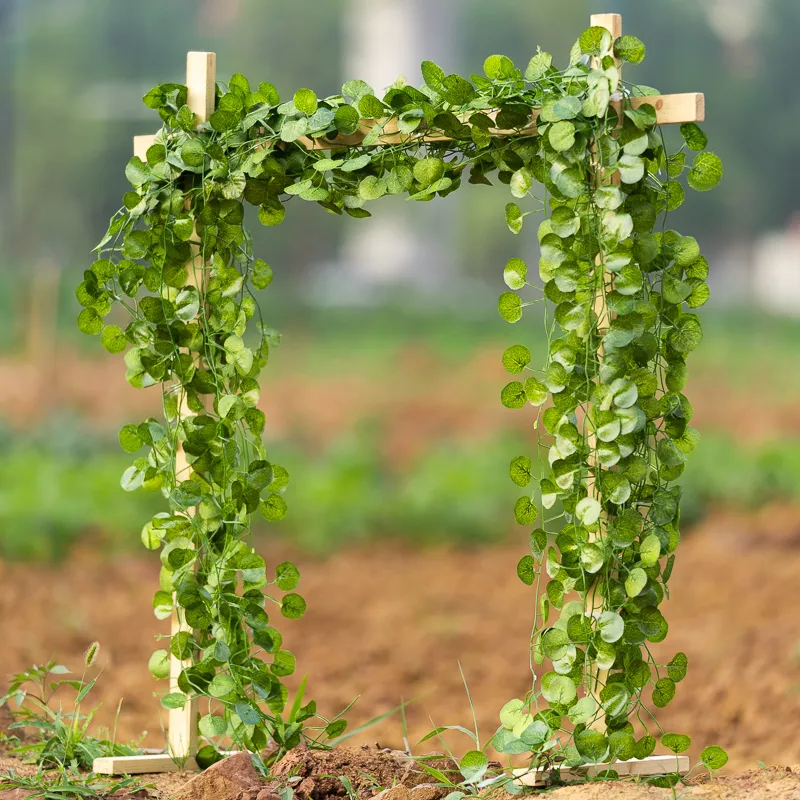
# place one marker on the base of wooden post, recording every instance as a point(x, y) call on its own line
point(652, 765)
point(150, 761)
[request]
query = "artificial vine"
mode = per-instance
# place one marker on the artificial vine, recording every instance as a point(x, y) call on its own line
point(178, 260)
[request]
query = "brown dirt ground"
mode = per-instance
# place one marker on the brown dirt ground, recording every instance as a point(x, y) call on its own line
point(389, 623)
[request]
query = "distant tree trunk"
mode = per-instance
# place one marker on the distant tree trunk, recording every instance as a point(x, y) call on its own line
point(387, 39)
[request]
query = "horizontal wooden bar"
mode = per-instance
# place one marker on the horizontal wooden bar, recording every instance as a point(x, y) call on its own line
point(675, 109)
point(652, 765)
point(671, 109)
point(139, 765)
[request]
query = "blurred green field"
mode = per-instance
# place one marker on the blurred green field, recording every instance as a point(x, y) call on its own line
point(60, 489)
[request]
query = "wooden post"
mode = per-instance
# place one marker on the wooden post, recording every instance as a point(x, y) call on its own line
point(613, 24)
point(201, 71)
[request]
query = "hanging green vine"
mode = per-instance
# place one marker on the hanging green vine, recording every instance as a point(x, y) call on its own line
point(178, 260)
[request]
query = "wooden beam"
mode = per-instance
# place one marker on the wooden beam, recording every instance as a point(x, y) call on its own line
point(674, 109)
point(201, 82)
point(652, 765)
point(140, 765)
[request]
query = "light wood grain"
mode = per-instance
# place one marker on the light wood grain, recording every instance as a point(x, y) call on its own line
point(652, 765)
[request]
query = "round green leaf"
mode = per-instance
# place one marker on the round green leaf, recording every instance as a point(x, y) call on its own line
point(287, 576)
point(526, 571)
point(513, 395)
point(677, 742)
point(274, 508)
point(714, 757)
point(525, 511)
point(305, 101)
point(293, 606)
point(560, 690)
point(211, 725)
point(509, 305)
point(676, 669)
point(221, 685)
point(663, 692)
point(159, 664)
point(113, 339)
point(635, 582)
point(562, 136)
point(693, 136)
point(611, 626)
point(90, 322)
point(515, 273)
point(706, 172)
point(511, 713)
point(516, 358)
point(588, 511)
point(595, 41)
point(592, 746)
point(521, 470)
point(630, 49)
point(473, 765)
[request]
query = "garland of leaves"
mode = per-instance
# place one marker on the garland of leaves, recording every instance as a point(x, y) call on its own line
point(178, 259)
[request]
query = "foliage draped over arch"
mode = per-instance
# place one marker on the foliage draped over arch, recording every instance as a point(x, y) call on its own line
point(612, 424)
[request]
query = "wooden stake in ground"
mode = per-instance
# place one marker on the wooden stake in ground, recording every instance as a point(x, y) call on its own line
point(181, 732)
point(200, 79)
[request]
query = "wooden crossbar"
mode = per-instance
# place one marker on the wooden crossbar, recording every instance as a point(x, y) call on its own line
point(201, 84)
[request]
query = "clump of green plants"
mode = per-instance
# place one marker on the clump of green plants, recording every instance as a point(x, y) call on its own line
point(58, 737)
point(622, 287)
point(67, 783)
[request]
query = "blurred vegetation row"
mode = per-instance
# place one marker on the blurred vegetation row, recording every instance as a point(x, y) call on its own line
point(74, 72)
point(61, 489)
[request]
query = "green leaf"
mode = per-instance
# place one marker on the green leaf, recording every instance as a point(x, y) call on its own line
point(560, 690)
point(514, 218)
point(526, 571)
point(694, 137)
point(635, 582)
point(714, 757)
point(650, 550)
point(687, 334)
point(583, 711)
point(159, 664)
point(676, 669)
point(516, 358)
point(271, 213)
point(293, 606)
point(536, 392)
point(515, 273)
point(432, 74)
point(305, 101)
point(428, 170)
point(211, 725)
point(538, 66)
point(510, 307)
point(678, 743)
point(630, 49)
point(592, 746)
point(588, 511)
point(513, 395)
point(473, 765)
point(90, 322)
point(555, 644)
point(174, 700)
point(595, 41)
point(248, 713)
point(664, 692)
point(562, 135)
point(274, 508)
point(372, 188)
point(521, 470)
point(511, 713)
point(525, 511)
point(706, 172)
point(287, 576)
point(611, 626)
point(113, 339)
point(370, 107)
point(130, 439)
point(192, 153)
point(262, 274)
point(221, 685)
point(346, 120)
point(521, 182)
point(137, 172)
